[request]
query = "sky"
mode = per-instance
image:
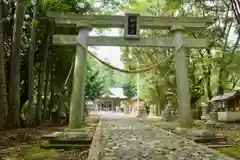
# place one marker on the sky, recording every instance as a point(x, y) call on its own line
point(111, 53)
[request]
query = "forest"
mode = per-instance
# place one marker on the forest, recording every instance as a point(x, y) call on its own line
point(36, 77)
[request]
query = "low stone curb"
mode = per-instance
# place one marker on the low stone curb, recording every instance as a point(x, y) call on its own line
point(96, 149)
point(225, 157)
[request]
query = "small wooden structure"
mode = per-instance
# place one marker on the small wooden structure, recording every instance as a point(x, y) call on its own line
point(227, 106)
point(111, 99)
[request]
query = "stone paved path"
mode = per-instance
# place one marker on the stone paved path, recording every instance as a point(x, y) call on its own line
point(127, 138)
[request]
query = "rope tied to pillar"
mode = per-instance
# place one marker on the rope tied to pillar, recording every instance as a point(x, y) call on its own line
point(123, 70)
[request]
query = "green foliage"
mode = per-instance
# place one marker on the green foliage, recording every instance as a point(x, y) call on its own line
point(93, 85)
point(106, 74)
point(56, 5)
point(129, 89)
point(77, 6)
point(174, 4)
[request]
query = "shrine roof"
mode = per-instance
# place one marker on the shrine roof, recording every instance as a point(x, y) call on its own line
point(115, 92)
point(225, 96)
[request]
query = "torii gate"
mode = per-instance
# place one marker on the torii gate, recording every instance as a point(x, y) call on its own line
point(132, 23)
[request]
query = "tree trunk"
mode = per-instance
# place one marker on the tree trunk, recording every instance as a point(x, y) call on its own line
point(14, 82)
point(220, 81)
point(41, 78)
point(52, 97)
point(39, 97)
point(3, 94)
point(46, 88)
point(31, 111)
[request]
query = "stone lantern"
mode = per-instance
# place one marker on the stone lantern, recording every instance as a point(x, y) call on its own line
point(213, 119)
point(204, 107)
point(169, 96)
point(167, 114)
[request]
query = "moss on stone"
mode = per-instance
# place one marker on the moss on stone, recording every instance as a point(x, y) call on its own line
point(37, 153)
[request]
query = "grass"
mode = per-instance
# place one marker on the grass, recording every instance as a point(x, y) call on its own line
point(37, 153)
point(25, 144)
point(232, 151)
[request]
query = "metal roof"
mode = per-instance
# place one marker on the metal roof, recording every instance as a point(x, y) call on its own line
point(118, 92)
point(225, 96)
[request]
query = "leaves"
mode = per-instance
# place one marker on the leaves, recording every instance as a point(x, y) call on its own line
point(93, 85)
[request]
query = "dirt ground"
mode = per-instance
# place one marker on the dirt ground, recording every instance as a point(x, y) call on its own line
point(24, 144)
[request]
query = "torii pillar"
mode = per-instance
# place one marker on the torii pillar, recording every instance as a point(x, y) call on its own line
point(77, 97)
point(181, 67)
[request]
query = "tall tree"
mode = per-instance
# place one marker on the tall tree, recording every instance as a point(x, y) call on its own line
point(3, 94)
point(42, 73)
point(14, 87)
point(31, 66)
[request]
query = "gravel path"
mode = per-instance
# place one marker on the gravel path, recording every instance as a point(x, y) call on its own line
point(128, 139)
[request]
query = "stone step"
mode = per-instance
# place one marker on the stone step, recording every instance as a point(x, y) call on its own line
point(209, 139)
point(70, 141)
point(66, 146)
point(215, 146)
point(214, 143)
point(67, 135)
point(52, 136)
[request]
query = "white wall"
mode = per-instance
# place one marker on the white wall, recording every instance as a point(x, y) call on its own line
point(228, 116)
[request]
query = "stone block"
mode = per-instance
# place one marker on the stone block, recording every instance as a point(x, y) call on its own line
point(199, 123)
point(76, 135)
point(211, 124)
point(180, 130)
point(205, 117)
point(219, 125)
point(213, 116)
point(202, 133)
point(53, 135)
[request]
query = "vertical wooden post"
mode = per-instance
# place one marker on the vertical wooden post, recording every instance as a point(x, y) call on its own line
point(181, 67)
point(77, 97)
point(112, 105)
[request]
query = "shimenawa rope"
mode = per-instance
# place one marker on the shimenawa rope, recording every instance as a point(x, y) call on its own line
point(119, 69)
